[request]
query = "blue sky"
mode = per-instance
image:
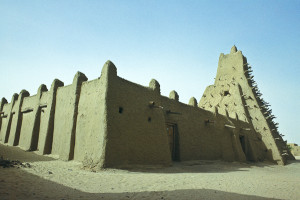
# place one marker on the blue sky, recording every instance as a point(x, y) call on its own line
point(176, 42)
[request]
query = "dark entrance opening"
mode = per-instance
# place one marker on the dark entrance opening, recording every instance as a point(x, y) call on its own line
point(246, 147)
point(242, 140)
point(173, 138)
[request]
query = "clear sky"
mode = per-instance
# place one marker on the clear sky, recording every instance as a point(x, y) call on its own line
point(176, 42)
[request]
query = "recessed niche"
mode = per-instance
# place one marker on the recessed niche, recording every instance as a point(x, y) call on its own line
point(120, 110)
point(149, 119)
point(226, 93)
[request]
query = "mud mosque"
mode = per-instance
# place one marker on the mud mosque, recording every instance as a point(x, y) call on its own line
point(111, 122)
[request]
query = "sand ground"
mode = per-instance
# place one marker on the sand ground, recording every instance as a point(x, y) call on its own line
point(48, 178)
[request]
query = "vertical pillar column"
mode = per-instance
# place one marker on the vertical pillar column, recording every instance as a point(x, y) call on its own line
point(46, 133)
point(16, 121)
point(3, 101)
point(5, 130)
point(68, 152)
point(29, 138)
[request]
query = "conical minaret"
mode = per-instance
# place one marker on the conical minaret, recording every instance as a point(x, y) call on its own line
point(235, 94)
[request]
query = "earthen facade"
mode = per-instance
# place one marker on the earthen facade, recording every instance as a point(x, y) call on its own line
point(112, 122)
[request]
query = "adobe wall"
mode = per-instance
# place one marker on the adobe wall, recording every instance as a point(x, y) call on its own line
point(197, 139)
point(28, 122)
point(66, 111)
point(43, 121)
point(91, 123)
point(135, 132)
point(63, 120)
point(3, 103)
point(125, 131)
point(112, 122)
point(207, 134)
point(47, 109)
point(25, 118)
point(231, 106)
point(6, 107)
point(64, 117)
point(10, 129)
point(47, 122)
point(235, 94)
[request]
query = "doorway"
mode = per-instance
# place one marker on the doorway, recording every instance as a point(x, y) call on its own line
point(172, 133)
point(242, 141)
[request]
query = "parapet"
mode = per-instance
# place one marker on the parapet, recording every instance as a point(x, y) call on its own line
point(154, 85)
point(109, 69)
point(174, 95)
point(193, 102)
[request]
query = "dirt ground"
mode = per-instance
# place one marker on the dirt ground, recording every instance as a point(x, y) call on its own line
point(43, 177)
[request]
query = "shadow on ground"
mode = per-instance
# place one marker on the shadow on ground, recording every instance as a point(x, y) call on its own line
point(294, 161)
point(201, 166)
point(25, 186)
point(15, 153)
point(197, 166)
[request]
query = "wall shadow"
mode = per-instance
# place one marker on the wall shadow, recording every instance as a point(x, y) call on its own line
point(25, 186)
point(196, 166)
point(15, 153)
point(200, 166)
point(293, 161)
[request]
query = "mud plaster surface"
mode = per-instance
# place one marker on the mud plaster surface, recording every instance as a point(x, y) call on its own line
point(49, 178)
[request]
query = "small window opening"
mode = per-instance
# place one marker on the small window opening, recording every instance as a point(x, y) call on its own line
point(226, 93)
point(120, 110)
point(149, 119)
